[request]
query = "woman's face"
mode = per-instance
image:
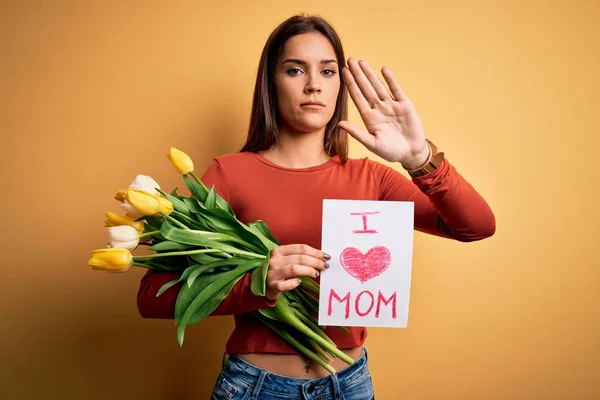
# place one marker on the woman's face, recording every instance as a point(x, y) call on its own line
point(307, 83)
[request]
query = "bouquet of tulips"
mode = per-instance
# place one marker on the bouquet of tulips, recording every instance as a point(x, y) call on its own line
point(200, 238)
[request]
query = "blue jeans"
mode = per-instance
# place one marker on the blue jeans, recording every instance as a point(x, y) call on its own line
point(240, 380)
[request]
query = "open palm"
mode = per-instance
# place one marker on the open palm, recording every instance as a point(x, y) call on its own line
point(394, 130)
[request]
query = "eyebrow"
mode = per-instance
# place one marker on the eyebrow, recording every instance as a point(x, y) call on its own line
point(302, 62)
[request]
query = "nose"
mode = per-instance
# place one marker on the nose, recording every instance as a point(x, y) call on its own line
point(312, 85)
point(312, 89)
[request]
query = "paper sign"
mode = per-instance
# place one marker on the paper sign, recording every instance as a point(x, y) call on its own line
point(371, 245)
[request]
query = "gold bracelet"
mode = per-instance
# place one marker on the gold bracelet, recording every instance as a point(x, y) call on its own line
point(426, 162)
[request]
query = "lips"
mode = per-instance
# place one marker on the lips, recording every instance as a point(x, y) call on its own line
point(312, 104)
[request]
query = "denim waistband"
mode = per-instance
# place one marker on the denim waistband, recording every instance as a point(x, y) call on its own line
point(266, 381)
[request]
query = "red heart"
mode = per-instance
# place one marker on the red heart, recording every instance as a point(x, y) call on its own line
point(365, 266)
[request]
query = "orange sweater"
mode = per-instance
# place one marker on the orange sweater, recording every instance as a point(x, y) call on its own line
point(290, 203)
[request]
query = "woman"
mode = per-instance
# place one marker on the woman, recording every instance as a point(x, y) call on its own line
point(296, 155)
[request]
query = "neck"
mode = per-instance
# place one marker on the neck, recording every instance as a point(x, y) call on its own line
point(298, 150)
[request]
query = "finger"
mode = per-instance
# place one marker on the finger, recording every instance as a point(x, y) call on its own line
point(304, 259)
point(296, 270)
point(393, 84)
point(361, 135)
point(380, 89)
point(363, 83)
point(355, 94)
point(291, 249)
point(288, 284)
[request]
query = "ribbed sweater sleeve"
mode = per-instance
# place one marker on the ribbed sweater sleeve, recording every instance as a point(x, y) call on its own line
point(446, 204)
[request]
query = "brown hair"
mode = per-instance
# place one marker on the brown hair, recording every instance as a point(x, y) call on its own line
point(263, 130)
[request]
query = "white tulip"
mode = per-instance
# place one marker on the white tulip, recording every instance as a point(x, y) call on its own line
point(130, 210)
point(123, 236)
point(145, 183)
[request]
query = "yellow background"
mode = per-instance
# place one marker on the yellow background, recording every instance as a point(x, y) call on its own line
point(93, 93)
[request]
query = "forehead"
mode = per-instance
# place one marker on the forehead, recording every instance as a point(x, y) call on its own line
point(312, 46)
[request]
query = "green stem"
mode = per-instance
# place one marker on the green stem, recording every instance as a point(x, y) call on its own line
point(187, 218)
point(310, 285)
point(246, 253)
point(179, 224)
point(177, 253)
point(320, 352)
point(312, 325)
point(137, 264)
point(219, 236)
point(196, 178)
point(306, 300)
point(343, 329)
point(285, 314)
point(141, 235)
point(294, 342)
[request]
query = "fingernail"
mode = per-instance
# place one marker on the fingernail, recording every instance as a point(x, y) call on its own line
point(317, 274)
point(327, 265)
point(299, 281)
point(326, 256)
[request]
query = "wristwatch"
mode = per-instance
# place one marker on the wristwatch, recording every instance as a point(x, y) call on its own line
point(433, 162)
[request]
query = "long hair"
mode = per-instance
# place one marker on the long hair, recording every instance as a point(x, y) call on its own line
point(263, 129)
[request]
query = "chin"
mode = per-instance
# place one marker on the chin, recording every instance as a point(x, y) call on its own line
point(308, 125)
point(308, 128)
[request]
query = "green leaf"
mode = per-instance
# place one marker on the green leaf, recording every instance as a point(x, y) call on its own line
point(200, 307)
point(178, 204)
point(221, 221)
point(154, 222)
point(191, 222)
point(211, 199)
point(166, 286)
point(164, 264)
point(201, 213)
point(261, 227)
point(195, 208)
point(174, 191)
point(199, 191)
point(213, 302)
point(229, 263)
point(168, 245)
point(187, 295)
point(258, 282)
point(211, 240)
point(186, 273)
point(208, 258)
point(224, 205)
point(193, 204)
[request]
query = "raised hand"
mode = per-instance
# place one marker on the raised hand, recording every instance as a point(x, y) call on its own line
point(394, 130)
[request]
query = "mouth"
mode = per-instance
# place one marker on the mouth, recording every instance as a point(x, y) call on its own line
point(312, 104)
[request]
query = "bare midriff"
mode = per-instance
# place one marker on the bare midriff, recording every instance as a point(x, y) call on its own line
point(296, 366)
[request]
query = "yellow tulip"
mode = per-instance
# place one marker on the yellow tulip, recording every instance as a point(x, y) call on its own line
point(111, 260)
point(120, 195)
point(117, 220)
point(181, 161)
point(142, 202)
point(166, 206)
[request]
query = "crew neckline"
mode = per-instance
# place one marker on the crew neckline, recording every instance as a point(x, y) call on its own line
point(327, 164)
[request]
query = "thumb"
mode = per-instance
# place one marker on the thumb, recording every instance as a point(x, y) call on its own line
point(359, 134)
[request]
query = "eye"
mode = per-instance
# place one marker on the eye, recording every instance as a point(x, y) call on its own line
point(293, 71)
point(329, 72)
